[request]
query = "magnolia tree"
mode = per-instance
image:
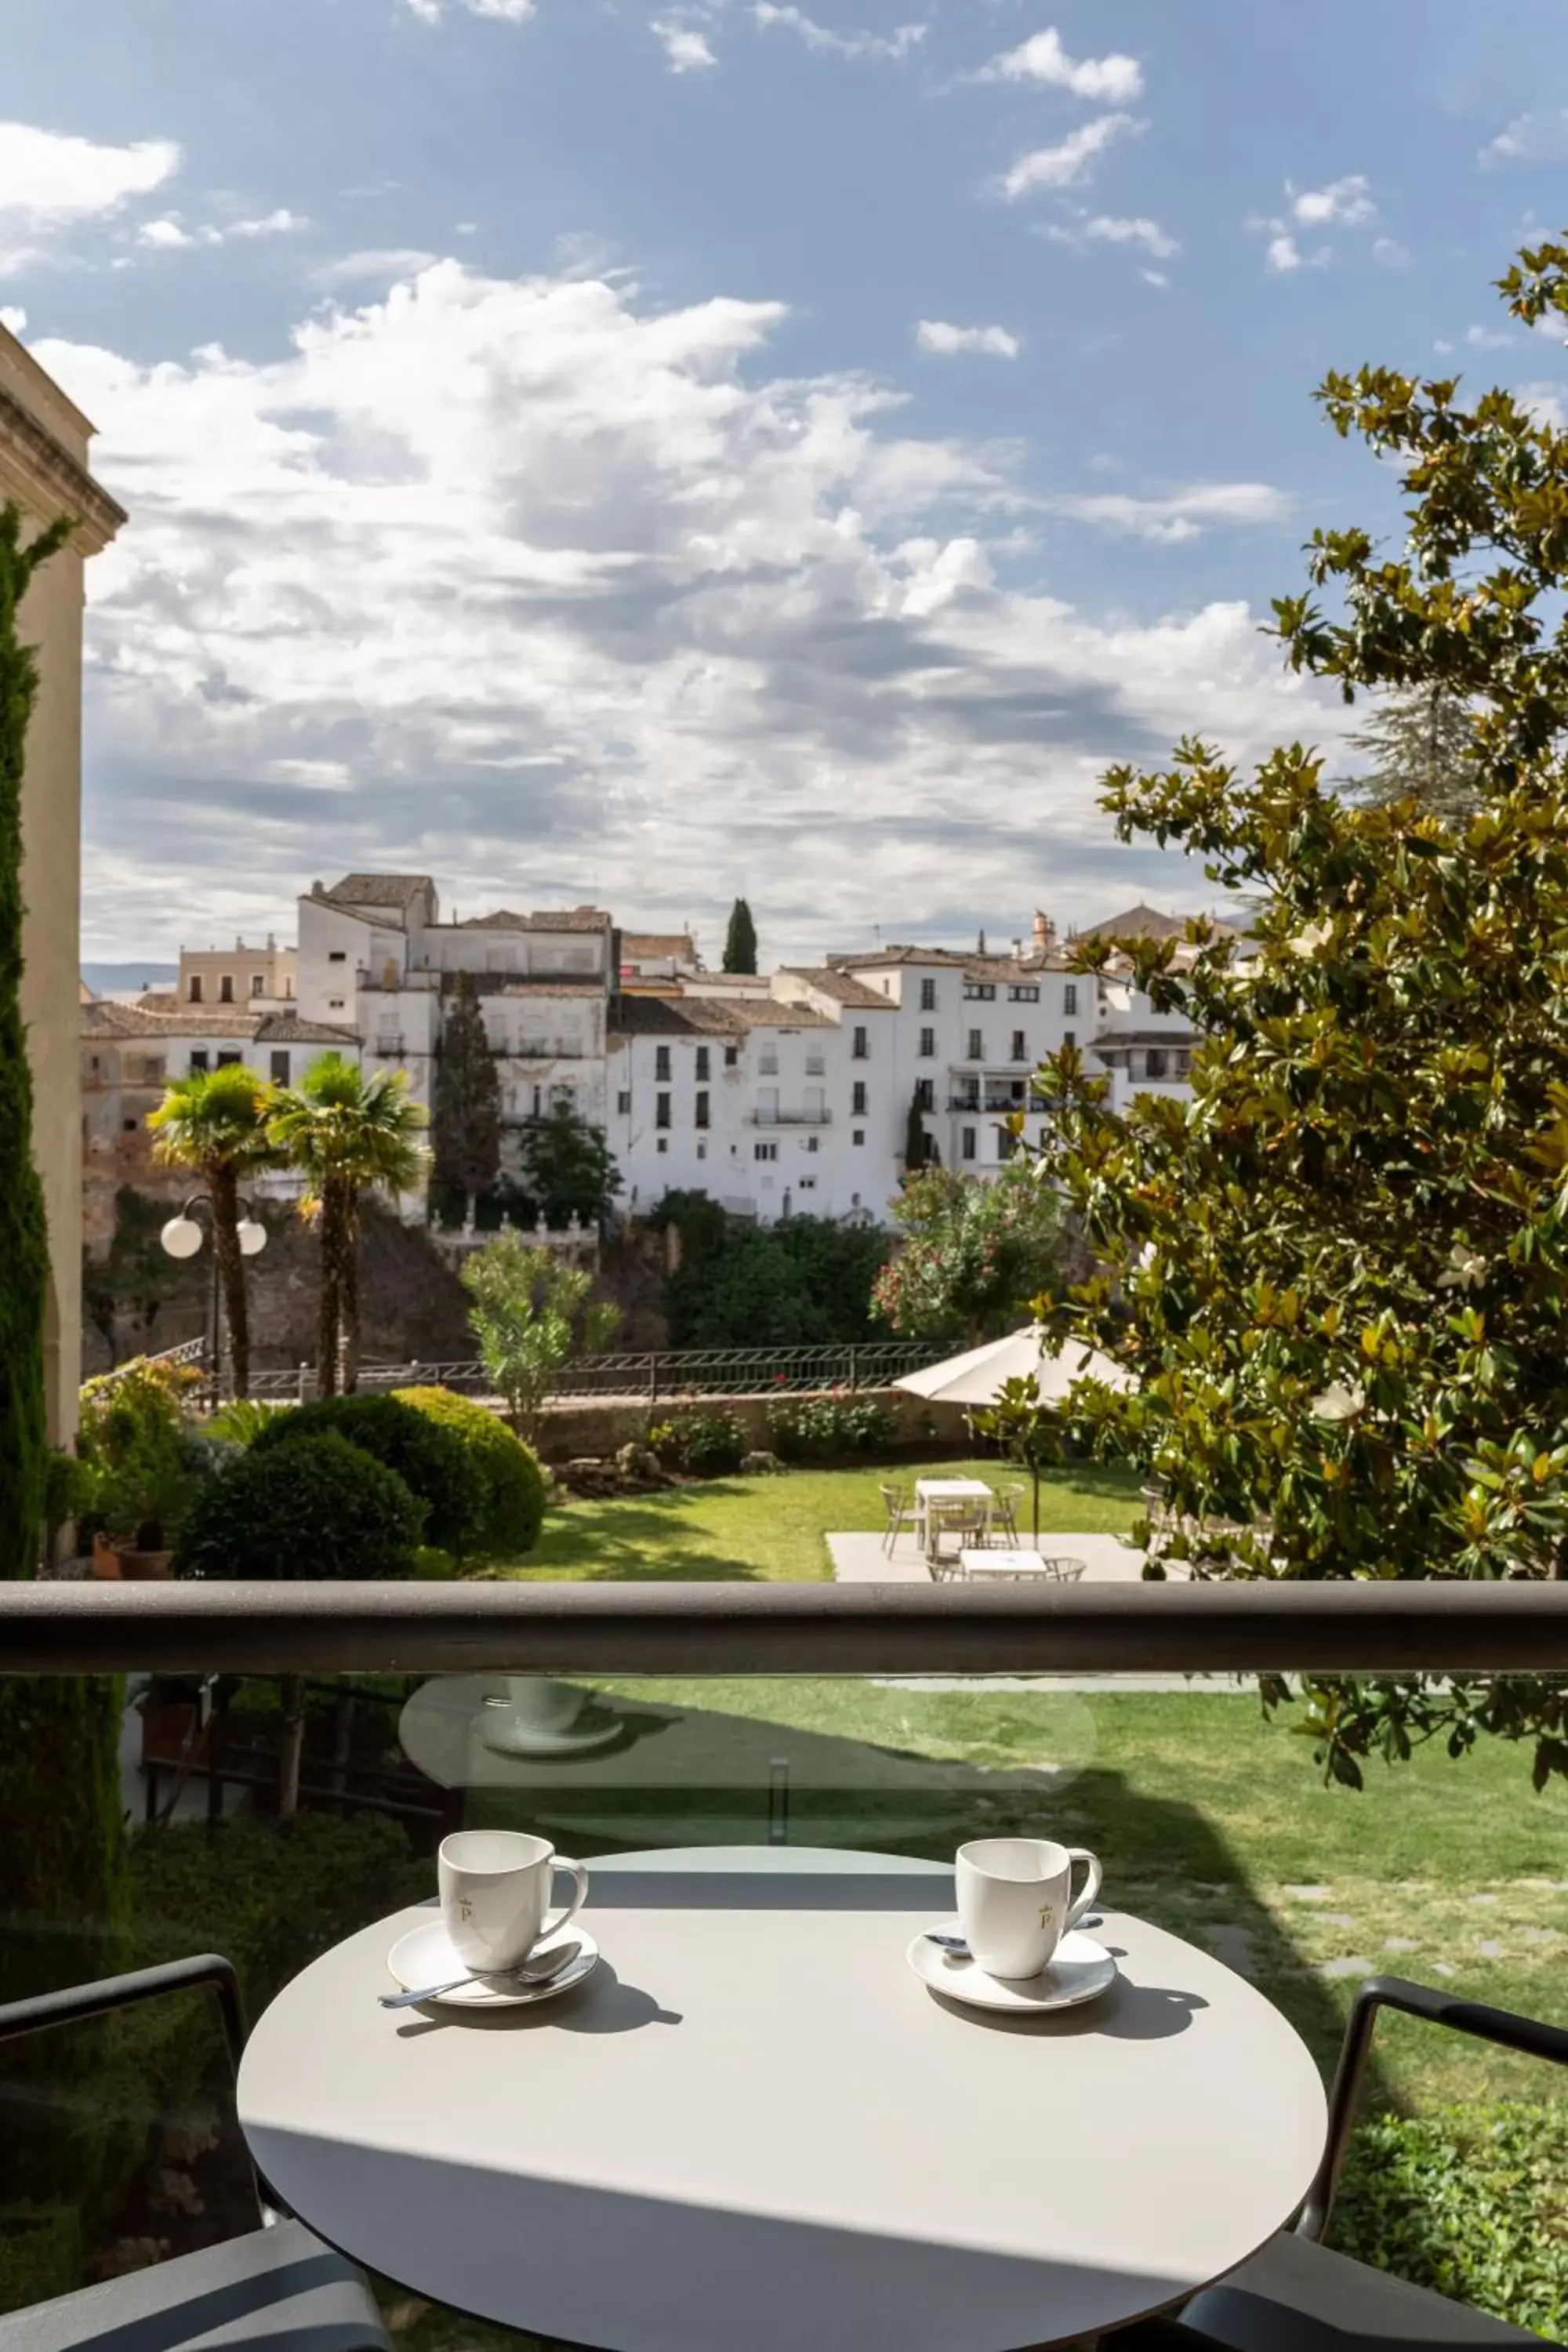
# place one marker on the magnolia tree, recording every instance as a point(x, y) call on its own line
point(1339, 1275)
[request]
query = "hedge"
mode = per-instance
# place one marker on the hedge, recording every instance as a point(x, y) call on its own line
point(511, 1498)
point(317, 1508)
point(428, 1458)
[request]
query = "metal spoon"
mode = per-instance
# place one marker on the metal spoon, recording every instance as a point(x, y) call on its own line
point(528, 1975)
point(954, 1944)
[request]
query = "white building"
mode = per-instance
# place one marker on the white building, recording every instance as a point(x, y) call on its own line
point(374, 953)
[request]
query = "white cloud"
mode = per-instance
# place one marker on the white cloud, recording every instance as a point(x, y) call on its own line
point(936, 335)
point(1182, 515)
point(1154, 276)
point(509, 12)
point(1343, 202)
point(1062, 166)
point(1488, 339)
point(1282, 252)
point(1546, 403)
point(1536, 137)
point(543, 589)
point(1106, 228)
point(1390, 254)
point(684, 46)
point(1114, 80)
point(374, 265)
point(896, 44)
point(50, 181)
point(169, 235)
point(12, 318)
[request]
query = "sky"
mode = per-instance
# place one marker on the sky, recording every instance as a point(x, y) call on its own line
point(641, 451)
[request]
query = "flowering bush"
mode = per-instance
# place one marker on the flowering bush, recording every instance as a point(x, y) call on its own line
point(705, 1445)
point(816, 1428)
point(974, 1253)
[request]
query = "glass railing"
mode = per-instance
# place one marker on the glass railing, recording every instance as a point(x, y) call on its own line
point(139, 1822)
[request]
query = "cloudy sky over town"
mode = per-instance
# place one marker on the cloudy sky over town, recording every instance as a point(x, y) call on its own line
point(642, 450)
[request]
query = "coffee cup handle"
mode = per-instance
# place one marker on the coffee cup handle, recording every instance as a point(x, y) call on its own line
point(1090, 1894)
point(579, 1895)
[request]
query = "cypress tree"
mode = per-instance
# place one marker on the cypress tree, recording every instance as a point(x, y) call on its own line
point(465, 1133)
point(740, 939)
point(918, 1150)
point(24, 1239)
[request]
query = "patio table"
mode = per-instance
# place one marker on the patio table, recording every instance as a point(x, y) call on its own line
point(754, 2124)
point(970, 1493)
point(1048, 1569)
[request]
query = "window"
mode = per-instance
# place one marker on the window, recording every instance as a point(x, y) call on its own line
point(287, 991)
point(861, 1048)
point(280, 1069)
point(808, 1183)
point(1069, 1036)
point(1184, 1064)
point(195, 994)
point(732, 1055)
point(702, 1069)
point(257, 983)
point(1020, 1046)
point(661, 1064)
point(336, 955)
point(1024, 995)
point(702, 1110)
point(199, 1060)
point(129, 1125)
point(225, 1061)
point(702, 1151)
point(976, 1045)
point(857, 1099)
point(928, 1045)
point(928, 996)
point(966, 1143)
point(814, 1064)
point(811, 1142)
point(764, 1151)
point(1069, 999)
point(768, 1062)
point(662, 1110)
point(226, 989)
point(925, 1093)
point(857, 1135)
point(984, 990)
point(663, 1143)
point(1006, 1144)
point(334, 1005)
point(1155, 1064)
point(623, 1103)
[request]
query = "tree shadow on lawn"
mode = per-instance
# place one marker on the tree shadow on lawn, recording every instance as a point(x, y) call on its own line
point(711, 1778)
point(639, 1539)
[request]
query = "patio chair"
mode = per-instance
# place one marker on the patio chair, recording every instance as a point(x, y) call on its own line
point(1297, 2296)
point(276, 2286)
point(969, 1523)
point(899, 1505)
point(1006, 1510)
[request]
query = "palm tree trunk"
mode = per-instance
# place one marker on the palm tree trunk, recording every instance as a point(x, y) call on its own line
point(350, 1294)
point(332, 1289)
point(223, 1189)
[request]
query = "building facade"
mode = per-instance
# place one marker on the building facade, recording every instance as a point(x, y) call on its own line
point(261, 979)
point(44, 445)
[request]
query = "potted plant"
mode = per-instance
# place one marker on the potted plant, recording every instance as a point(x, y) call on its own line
point(133, 1446)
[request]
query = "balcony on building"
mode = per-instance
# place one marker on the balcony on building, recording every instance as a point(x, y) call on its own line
point(813, 1115)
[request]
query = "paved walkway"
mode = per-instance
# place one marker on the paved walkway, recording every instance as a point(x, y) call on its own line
point(861, 1560)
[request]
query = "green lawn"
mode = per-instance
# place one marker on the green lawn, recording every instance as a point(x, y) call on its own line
point(773, 1528)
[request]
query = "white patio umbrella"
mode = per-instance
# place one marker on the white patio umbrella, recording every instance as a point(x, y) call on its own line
point(977, 1377)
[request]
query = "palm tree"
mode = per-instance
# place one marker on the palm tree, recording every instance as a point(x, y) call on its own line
point(215, 1122)
point(346, 1133)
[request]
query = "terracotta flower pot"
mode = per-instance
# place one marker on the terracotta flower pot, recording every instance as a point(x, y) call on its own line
point(110, 1560)
point(105, 1558)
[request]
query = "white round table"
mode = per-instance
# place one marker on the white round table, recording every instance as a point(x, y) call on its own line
point(755, 2130)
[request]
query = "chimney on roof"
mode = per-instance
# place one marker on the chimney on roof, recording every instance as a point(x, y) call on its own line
point(979, 944)
point(1045, 929)
point(1017, 951)
point(316, 891)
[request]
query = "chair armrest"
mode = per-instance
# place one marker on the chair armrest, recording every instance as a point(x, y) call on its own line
point(73, 2004)
point(1530, 2035)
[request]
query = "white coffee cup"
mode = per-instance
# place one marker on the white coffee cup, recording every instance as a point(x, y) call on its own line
point(1014, 1900)
point(536, 1704)
point(495, 1890)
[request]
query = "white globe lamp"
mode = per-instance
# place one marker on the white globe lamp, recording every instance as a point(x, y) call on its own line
point(182, 1237)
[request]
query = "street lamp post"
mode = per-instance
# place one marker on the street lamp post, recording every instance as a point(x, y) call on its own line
point(182, 1236)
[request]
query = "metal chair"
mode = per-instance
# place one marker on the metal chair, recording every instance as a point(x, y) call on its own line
point(968, 1522)
point(276, 2286)
point(1298, 2296)
point(1007, 1510)
point(902, 1512)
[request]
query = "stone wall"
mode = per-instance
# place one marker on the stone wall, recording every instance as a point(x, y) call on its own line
point(578, 1427)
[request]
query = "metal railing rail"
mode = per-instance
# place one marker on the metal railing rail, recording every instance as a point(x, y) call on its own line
point(1433, 1627)
point(659, 1375)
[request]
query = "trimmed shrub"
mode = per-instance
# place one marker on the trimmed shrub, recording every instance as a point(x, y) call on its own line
point(511, 1483)
point(315, 1507)
point(819, 1428)
point(427, 1455)
point(704, 1444)
point(1470, 2201)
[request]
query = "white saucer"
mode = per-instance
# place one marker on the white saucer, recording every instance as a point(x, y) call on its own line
point(1079, 1970)
point(509, 1737)
point(424, 1956)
